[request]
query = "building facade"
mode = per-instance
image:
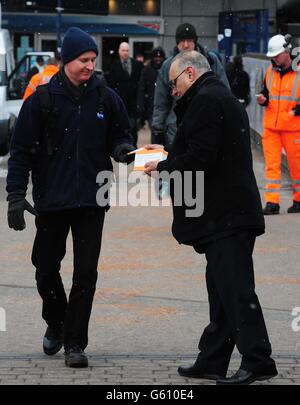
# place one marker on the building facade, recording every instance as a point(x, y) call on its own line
point(143, 23)
point(205, 15)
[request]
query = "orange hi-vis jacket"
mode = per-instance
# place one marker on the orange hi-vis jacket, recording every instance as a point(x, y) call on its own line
point(284, 95)
point(39, 79)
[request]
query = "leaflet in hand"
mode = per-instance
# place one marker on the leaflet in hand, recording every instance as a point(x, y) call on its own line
point(143, 156)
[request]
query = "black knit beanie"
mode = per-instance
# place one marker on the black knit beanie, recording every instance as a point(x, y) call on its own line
point(75, 43)
point(158, 51)
point(186, 31)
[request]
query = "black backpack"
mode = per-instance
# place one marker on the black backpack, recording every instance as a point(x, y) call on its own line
point(50, 112)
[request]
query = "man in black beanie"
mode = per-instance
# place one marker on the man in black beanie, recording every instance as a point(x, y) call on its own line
point(164, 119)
point(65, 145)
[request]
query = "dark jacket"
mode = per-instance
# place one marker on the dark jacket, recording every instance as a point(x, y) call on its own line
point(126, 86)
point(239, 81)
point(82, 146)
point(145, 102)
point(213, 137)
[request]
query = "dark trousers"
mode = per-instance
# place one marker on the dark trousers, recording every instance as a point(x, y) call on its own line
point(236, 317)
point(48, 251)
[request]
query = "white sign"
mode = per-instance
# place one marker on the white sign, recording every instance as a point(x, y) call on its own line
point(228, 32)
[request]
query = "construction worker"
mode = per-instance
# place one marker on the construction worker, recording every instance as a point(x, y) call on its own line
point(280, 96)
point(42, 78)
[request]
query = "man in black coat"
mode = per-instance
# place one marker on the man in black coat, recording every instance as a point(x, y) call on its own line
point(146, 91)
point(213, 137)
point(65, 151)
point(124, 78)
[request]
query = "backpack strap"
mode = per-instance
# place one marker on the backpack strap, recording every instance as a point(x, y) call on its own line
point(103, 106)
point(49, 111)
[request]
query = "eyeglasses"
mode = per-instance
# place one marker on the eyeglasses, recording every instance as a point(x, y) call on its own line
point(173, 83)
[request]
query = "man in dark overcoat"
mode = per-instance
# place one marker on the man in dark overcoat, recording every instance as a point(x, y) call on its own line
point(213, 137)
point(124, 77)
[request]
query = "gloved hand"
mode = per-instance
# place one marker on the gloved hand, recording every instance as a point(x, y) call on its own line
point(158, 136)
point(121, 153)
point(17, 204)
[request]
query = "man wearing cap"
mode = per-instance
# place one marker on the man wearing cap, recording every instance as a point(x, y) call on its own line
point(164, 118)
point(89, 125)
point(147, 86)
point(280, 97)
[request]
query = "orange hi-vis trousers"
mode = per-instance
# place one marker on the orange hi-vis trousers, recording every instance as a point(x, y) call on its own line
point(273, 142)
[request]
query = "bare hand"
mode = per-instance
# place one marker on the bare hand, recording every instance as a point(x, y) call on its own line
point(151, 167)
point(261, 99)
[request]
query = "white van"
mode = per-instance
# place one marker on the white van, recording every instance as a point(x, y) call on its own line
point(13, 83)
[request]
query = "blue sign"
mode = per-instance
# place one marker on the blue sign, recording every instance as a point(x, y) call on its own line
point(242, 32)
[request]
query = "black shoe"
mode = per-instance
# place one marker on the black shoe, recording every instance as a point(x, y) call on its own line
point(75, 357)
point(271, 209)
point(195, 372)
point(53, 340)
point(243, 377)
point(295, 208)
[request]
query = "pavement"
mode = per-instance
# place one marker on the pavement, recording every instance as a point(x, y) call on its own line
point(150, 306)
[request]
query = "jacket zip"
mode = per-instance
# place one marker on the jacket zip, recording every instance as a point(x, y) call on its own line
point(278, 109)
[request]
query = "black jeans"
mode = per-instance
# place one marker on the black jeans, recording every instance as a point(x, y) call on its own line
point(236, 317)
point(49, 249)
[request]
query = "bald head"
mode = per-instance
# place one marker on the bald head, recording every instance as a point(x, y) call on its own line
point(124, 51)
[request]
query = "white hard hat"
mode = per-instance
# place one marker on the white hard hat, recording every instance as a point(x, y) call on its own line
point(276, 46)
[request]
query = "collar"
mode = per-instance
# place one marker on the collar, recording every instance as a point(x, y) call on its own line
point(191, 92)
point(62, 84)
point(183, 103)
point(281, 69)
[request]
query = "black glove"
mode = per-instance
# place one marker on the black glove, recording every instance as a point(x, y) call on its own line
point(121, 153)
point(158, 137)
point(17, 204)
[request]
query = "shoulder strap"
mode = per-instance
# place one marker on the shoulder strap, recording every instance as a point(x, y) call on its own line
point(45, 99)
point(48, 111)
point(103, 106)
